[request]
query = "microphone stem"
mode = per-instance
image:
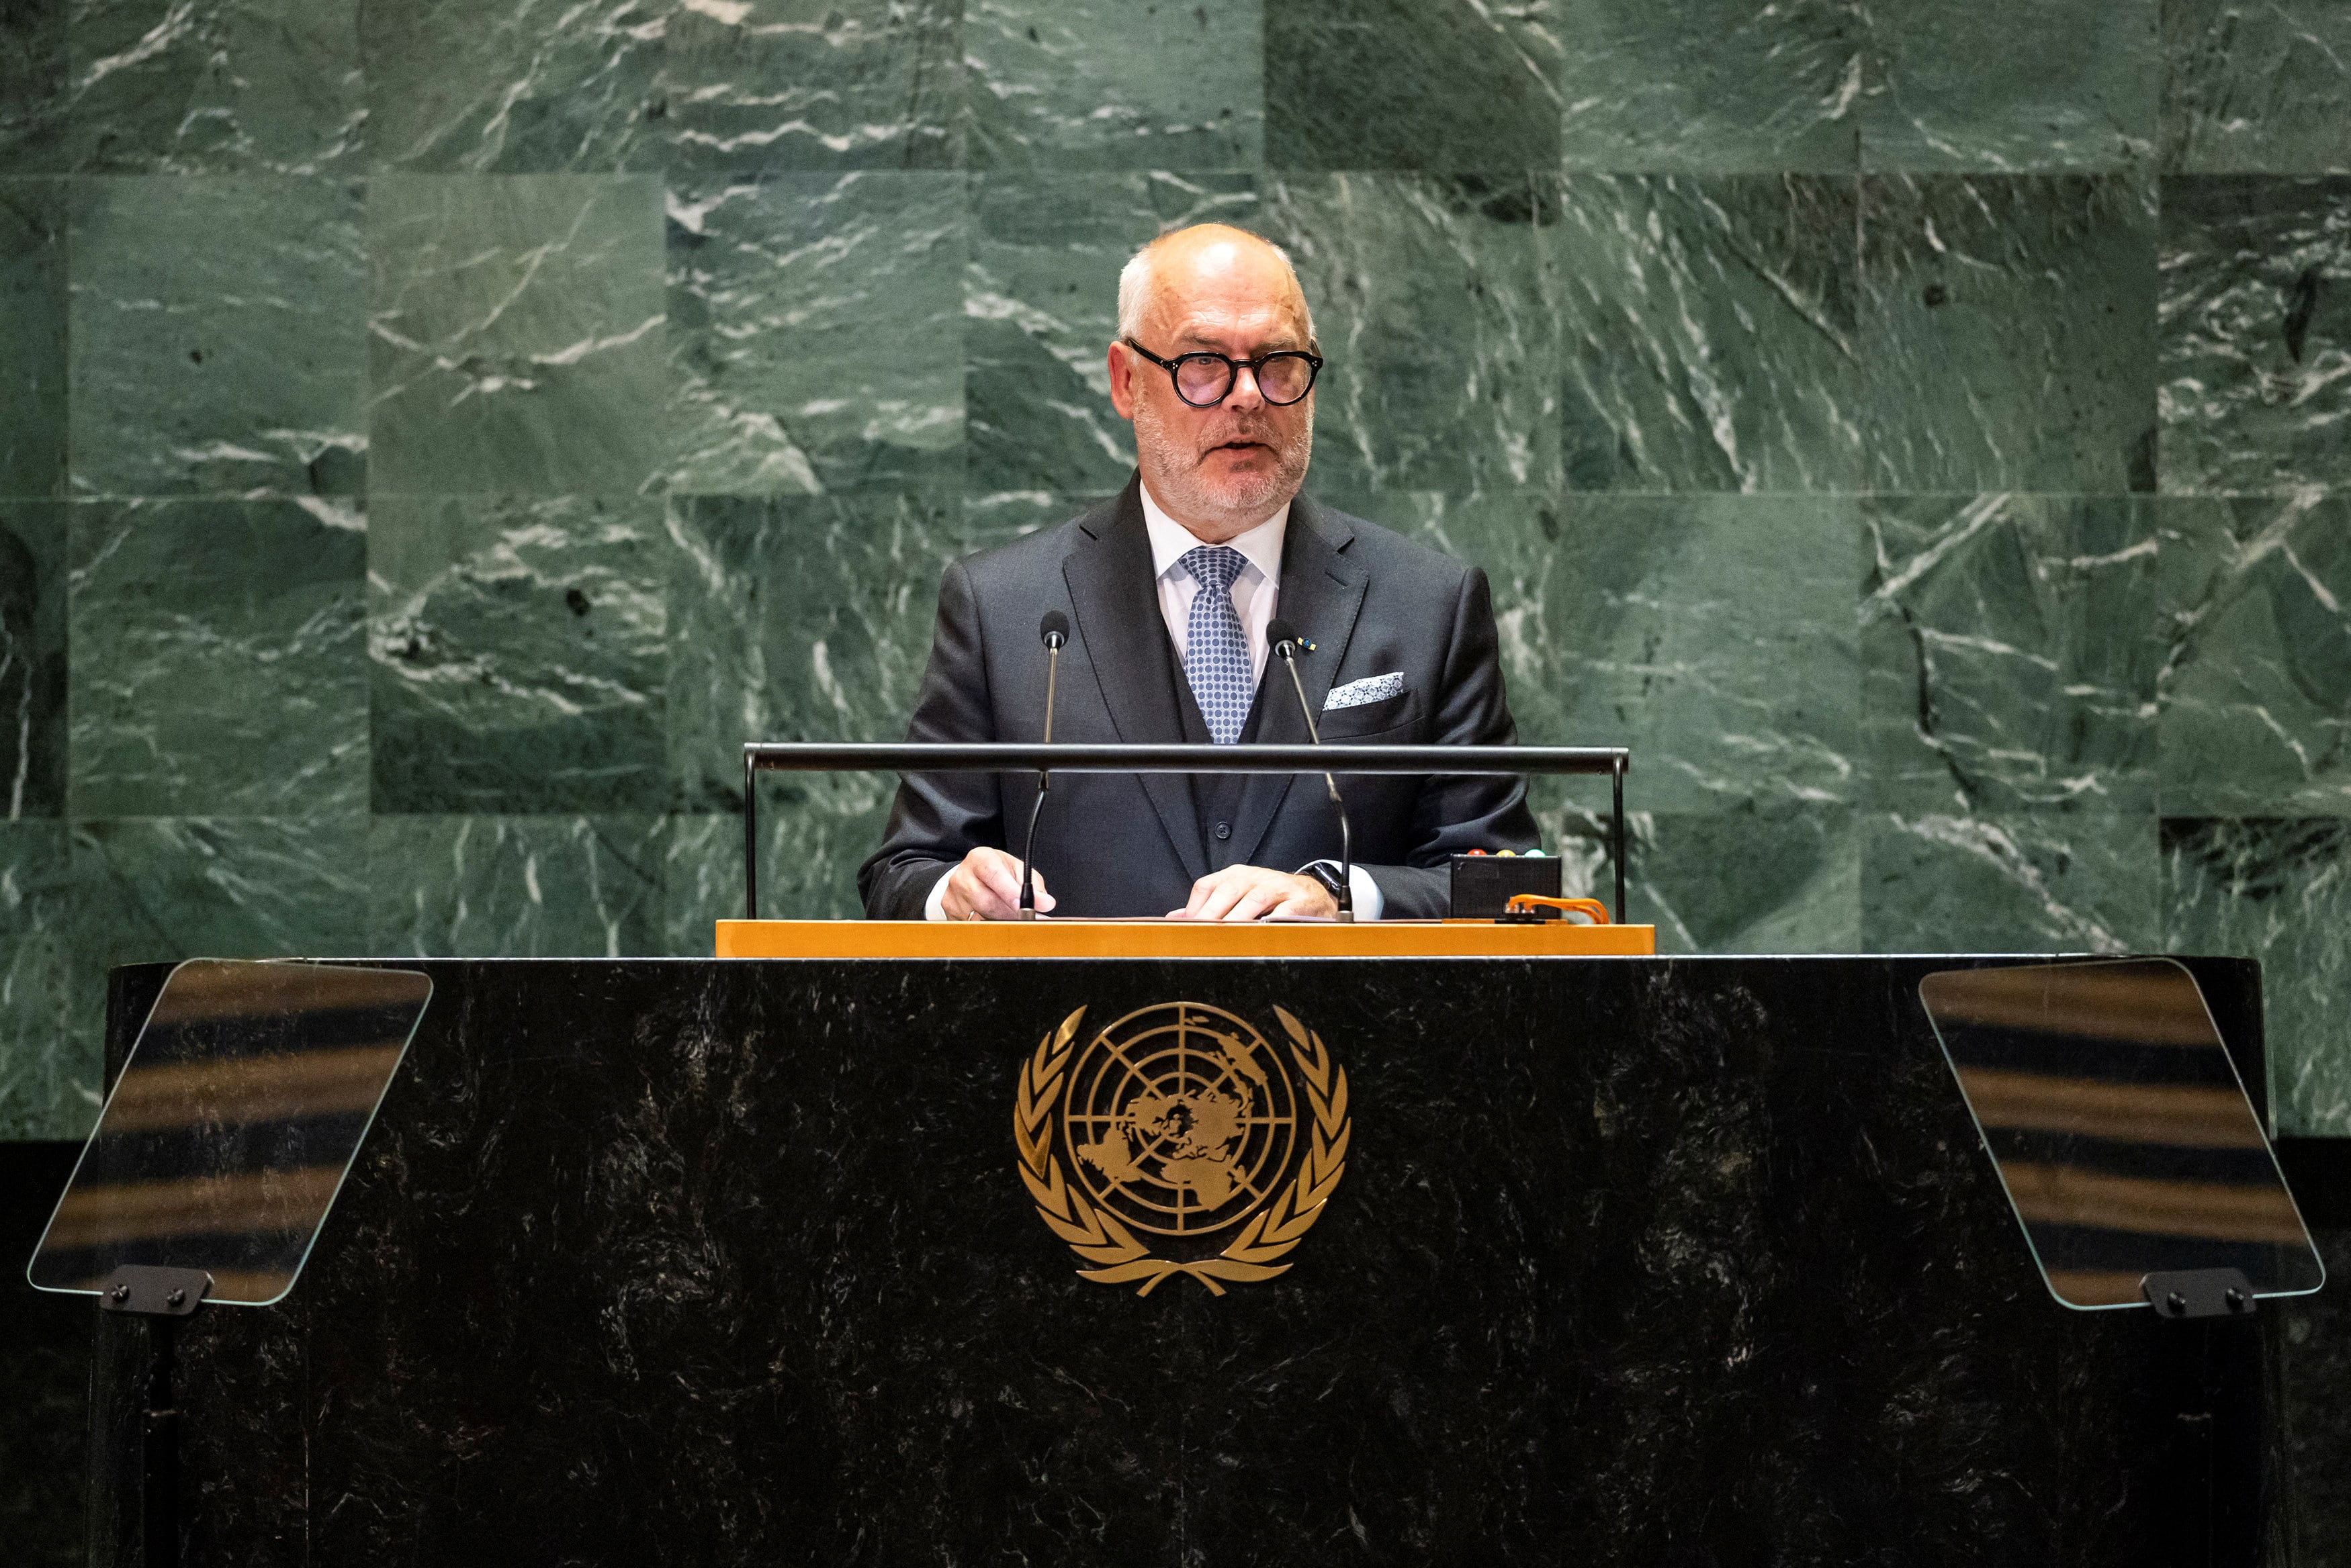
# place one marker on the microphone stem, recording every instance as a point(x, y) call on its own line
point(1028, 904)
point(1029, 888)
point(1346, 840)
point(1052, 674)
point(1346, 858)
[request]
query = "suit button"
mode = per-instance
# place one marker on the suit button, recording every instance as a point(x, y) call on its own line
point(1224, 830)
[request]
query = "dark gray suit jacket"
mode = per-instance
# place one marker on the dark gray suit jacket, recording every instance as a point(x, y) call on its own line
point(1371, 601)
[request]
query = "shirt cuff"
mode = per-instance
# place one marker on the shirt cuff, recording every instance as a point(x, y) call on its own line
point(934, 907)
point(1368, 899)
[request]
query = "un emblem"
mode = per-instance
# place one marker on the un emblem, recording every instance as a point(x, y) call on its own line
point(1183, 1122)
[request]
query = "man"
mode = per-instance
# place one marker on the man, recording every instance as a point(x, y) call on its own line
point(1168, 590)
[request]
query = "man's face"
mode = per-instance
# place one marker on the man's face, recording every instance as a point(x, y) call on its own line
point(1218, 471)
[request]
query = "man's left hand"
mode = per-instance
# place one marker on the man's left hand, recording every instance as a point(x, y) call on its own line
point(1253, 892)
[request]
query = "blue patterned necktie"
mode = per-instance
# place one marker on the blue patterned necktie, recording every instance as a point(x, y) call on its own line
point(1216, 648)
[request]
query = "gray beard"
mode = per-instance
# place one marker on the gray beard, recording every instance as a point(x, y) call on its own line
point(1177, 484)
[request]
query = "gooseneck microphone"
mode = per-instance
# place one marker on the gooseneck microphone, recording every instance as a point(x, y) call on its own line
point(1283, 637)
point(1053, 632)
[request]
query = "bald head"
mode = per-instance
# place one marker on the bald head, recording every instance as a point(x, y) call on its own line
point(1208, 260)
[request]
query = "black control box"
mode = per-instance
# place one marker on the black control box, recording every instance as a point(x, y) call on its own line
point(1483, 885)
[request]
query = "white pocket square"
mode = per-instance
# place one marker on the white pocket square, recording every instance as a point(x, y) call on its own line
point(1371, 689)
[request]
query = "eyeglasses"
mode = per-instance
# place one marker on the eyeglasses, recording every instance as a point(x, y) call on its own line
point(1204, 380)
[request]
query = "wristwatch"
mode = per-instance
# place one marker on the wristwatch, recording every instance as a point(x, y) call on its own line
point(1323, 871)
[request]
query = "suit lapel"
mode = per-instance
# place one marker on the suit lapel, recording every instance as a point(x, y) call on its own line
point(1111, 589)
point(1321, 597)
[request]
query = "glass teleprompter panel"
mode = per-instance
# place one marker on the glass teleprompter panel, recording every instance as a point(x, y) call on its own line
point(238, 1115)
point(2120, 1129)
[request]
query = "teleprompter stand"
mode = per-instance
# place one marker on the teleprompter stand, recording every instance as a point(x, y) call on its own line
point(166, 1298)
point(222, 1143)
point(2141, 1177)
point(2188, 1294)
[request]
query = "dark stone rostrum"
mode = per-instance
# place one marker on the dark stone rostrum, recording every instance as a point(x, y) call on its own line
point(1659, 1261)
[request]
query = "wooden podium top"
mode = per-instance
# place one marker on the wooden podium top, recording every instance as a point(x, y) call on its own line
point(1175, 938)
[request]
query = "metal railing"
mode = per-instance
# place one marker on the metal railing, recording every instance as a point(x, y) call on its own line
point(1010, 756)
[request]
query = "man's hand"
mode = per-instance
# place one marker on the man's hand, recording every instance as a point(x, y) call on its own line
point(986, 886)
point(1252, 892)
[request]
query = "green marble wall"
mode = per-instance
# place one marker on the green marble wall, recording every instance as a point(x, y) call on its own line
point(434, 435)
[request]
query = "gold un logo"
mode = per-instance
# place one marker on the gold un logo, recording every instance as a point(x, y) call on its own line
point(1180, 1122)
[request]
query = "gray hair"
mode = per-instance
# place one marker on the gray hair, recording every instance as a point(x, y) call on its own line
point(1135, 279)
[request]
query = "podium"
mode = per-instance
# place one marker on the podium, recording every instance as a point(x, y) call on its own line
point(1617, 1259)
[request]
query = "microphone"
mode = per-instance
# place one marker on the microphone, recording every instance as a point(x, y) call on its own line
point(1052, 631)
point(1283, 636)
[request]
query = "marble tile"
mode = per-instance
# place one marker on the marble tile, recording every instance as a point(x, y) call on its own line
point(1715, 636)
point(513, 87)
point(1709, 333)
point(2019, 882)
point(802, 617)
point(1450, 85)
point(516, 886)
point(1041, 303)
point(172, 888)
point(515, 340)
point(219, 666)
point(811, 843)
point(518, 649)
point(2257, 88)
point(2012, 86)
point(1097, 84)
point(33, 594)
point(33, 87)
point(1007, 513)
point(1774, 88)
point(702, 883)
point(750, 84)
point(214, 87)
point(816, 331)
point(2255, 381)
point(2010, 649)
point(48, 1083)
point(216, 337)
point(1785, 878)
point(1438, 303)
point(2007, 333)
point(2277, 889)
point(32, 310)
point(2256, 691)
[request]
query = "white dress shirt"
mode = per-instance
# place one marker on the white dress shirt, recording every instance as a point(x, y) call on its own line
point(1254, 591)
point(1254, 594)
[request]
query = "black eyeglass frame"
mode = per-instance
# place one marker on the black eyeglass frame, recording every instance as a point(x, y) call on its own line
point(1233, 372)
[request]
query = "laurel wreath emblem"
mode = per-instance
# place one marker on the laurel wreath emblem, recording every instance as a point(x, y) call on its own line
point(1102, 1239)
